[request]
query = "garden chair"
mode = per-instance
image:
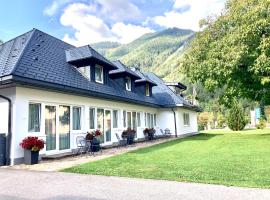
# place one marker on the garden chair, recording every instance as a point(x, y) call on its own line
point(81, 144)
point(166, 132)
point(121, 142)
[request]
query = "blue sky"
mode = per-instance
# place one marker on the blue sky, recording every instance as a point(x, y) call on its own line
point(82, 22)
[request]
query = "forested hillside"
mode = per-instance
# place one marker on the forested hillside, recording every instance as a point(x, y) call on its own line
point(158, 52)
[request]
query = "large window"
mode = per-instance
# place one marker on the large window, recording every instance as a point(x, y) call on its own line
point(85, 71)
point(147, 89)
point(139, 119)
point(76, 115)
point(34, 117)
point(115, 118)
point(186, 119)
point(99, 74)
point(129, 122)
point(150, 120)
point(92, 118)
point(128, 83)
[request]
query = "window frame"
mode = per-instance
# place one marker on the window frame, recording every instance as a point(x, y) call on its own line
point(85, 71)
point(40, 118)
point(128, 83)
point(94, 120)
point(81, 121)
point(113, 118)
point(102, 74)
point(147, 90)
point(186, 119)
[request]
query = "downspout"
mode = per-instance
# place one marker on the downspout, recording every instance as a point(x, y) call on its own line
point(9, 135)
point(175, 126)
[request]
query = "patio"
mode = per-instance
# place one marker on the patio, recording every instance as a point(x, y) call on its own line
point(70, 161)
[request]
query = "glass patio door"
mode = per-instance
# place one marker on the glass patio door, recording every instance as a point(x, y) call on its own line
point(50, 127)
point(107, 127)
point(64, 127)
point(100, 123)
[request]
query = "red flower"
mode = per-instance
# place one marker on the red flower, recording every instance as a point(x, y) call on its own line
point(98, 133)
point(32, 143)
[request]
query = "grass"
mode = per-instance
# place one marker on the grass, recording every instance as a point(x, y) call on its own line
point(219, 157)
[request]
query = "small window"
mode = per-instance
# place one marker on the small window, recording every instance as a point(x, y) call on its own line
point(115, 118)
point(155, 120)
point(139, 119)
point(76, 118)
point(85, 71)
point(34, 117)
point(147, 89)
point(124, 119)
point(92, 118)
point(99, 74)
point(186, 119)
point(128, 83)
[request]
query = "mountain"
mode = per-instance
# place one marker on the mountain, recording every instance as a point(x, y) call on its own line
point(158, 52)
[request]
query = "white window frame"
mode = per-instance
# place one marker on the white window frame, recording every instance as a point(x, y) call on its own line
point(81, 118)
point(186, 119)
point(95, 118)
point(102, 74)
point(128, 83)
point(117, 124)
point(40, 117)
point(147, 90)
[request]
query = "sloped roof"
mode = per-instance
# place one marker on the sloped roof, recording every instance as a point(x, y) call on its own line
point(121, 68)
point(79, 54)
point(37, 59)
point(144, 78)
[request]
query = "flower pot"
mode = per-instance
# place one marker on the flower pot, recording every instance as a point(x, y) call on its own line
point(31, 157)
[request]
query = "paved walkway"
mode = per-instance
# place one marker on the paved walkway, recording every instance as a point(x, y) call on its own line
point(56, 165)
point(29, 185)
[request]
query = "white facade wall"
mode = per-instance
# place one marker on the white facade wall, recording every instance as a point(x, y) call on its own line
point(21, 97)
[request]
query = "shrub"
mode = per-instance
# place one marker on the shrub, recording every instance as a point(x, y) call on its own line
point(261, 124)
point(236, 117)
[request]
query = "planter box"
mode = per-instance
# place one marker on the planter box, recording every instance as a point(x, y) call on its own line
point(31, 157)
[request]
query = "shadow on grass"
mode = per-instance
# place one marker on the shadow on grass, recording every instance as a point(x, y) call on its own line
point(200, 137)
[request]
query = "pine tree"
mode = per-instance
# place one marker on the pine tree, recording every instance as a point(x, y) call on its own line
point(236, 117)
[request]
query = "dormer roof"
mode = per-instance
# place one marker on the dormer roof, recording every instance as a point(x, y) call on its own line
point(123, 70)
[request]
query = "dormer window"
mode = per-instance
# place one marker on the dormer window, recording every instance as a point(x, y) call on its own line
point(128, 83)
point(99, 74)
point(85, 71)
point(147, 90)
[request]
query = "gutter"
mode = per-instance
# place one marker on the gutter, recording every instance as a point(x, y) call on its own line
point(9, 135)
point(175, 126)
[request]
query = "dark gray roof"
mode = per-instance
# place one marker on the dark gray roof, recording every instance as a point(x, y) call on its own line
point(36, 59)
point(123, 69)
point(143, 78)
point(79, 54)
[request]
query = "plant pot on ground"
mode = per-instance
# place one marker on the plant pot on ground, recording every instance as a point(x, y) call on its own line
point(31, 146)
point(129, 134)
point(149, 133)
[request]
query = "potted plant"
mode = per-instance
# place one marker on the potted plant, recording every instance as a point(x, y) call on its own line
point(129, 134)
point(95, 145)
point(149, 133)
point(32, 146)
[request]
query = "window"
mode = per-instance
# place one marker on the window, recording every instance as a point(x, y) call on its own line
point(99, 74)
point(76, 111)
point(128, 83)
point(92, 117)
point(186, 119)
point(115, 118)
point(129, 122)
point(147, 90)
point(139, 119)
point(145, 119)
point(124, 119)
point(155, 120)
point(85, 71)
point(34, 117)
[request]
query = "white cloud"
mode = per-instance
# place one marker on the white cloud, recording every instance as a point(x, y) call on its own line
point(89, 28)
point(189, 19)
point(53, 8)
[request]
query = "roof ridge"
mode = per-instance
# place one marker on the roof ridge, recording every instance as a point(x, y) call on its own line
point(24, 49)
point(17, 37)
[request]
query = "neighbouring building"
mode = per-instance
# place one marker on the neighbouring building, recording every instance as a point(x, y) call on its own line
point(58, 91)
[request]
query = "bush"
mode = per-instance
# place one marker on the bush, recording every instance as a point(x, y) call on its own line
point(262, 123)
point(236, 117)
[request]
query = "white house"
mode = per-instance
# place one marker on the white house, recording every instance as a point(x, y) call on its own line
point(58, 91)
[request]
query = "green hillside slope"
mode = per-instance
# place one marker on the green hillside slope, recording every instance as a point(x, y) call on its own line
point(158, 52)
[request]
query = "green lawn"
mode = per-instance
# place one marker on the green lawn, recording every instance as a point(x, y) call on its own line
point(220, 157)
